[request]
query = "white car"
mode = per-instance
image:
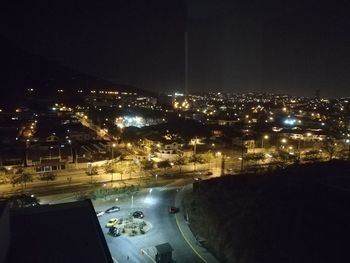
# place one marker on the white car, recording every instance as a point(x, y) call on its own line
point(112, 222)
point(100, 213)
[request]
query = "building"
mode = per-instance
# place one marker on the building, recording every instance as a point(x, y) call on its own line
point(49, 156)
point(4, 230)
point(52, 233)
point(164, 253)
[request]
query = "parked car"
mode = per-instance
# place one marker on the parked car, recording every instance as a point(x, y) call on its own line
point(173, 210)
point(112, 222)
point(197, 179)
point(100, 213)
point(138, 214)
point(209, 173)
point(114, 231)
point(113, 209)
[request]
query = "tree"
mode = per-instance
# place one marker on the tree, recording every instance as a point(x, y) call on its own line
point(147, 164)
point(164, 164)
point(195, 158)
point(283, 158)
point(180, 161)
point(47, 176)
point(92, 171)
point(207, 157)
point(119, 171)
point(109, 168)
point(21, 178)
point(330, 147)
point(255, 158)
point(312, 156)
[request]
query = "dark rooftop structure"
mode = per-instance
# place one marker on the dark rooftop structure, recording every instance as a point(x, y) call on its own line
point(164, 253)
point(4, 230)
point(57, 233)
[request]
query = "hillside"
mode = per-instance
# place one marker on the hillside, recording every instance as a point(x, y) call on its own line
point(21, 70)
point(300, 214)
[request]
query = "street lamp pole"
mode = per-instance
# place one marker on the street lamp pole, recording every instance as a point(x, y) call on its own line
point(222, 164)
point(113, 145)
point(132, 202)
point(348, 142)
point(265, 137)
point(195, 145)
point(242, 152)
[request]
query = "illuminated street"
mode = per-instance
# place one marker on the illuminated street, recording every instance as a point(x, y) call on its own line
point(155, 205)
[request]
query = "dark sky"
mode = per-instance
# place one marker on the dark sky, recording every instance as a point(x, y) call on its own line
point(234, 46)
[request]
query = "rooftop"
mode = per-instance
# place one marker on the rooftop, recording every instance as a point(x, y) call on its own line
point(57, 233)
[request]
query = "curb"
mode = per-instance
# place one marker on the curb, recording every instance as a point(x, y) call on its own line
point(186, 232)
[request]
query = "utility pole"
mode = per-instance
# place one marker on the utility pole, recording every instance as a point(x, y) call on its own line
point(242, 152)
point(195, 146)
point(132, 202)
point(222, 164)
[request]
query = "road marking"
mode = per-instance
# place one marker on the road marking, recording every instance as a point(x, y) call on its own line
point(145, 253)
point(188, 242)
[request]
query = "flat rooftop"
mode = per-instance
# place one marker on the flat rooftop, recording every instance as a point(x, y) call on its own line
point(2, 206)
point(57, 233)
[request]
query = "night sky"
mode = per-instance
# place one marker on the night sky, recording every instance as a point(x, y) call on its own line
point(292, 47)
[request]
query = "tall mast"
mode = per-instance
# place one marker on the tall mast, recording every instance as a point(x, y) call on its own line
point(186, 63)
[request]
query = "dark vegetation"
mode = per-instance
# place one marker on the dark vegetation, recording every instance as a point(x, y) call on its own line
point(298, 214)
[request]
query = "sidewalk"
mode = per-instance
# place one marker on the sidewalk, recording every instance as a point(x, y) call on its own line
point(186, 232)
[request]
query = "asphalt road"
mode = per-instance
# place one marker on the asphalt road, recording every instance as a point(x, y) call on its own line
point(154, 205)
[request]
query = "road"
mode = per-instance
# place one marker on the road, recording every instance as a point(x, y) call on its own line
point(76, 180)
point(155, 205)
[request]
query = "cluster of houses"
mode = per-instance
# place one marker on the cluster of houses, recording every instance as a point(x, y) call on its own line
point(49, 142)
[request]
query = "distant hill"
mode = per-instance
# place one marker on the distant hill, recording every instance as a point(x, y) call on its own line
point(21, 70)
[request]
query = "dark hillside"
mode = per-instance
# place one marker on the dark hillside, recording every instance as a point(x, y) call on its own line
point(300, 214)
point(22, 70)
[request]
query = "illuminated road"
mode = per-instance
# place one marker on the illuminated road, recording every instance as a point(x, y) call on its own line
point(75, 180)
point(155, 205)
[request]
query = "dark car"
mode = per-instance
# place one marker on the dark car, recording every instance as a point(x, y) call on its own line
point(114, 231)
point(138, 214)
point(113, 209)
point(209, 173)
point(173, 210)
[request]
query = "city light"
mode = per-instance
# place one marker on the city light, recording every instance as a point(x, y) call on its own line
point(290, 121)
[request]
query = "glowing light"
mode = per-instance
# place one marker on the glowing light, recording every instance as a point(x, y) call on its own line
point(290, 121)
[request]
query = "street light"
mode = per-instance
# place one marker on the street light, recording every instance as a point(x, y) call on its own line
point(283, 141)
point(348, 142)
point(113, 146)
point(265, 137)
